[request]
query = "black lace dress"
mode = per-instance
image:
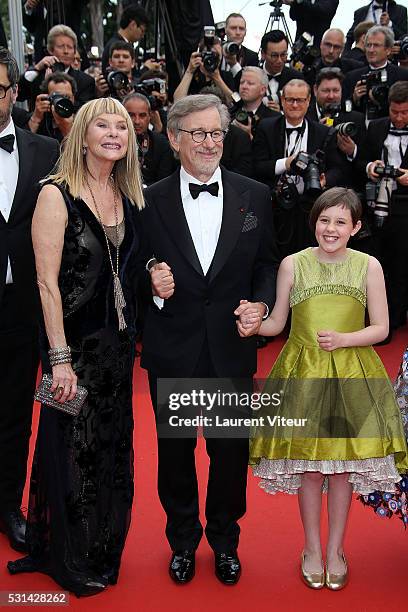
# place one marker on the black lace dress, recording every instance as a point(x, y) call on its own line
point(82, 476)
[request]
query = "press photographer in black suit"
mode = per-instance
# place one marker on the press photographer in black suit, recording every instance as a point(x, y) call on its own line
point(276, 147)
point(386, 143)
point(132, 28)
point(155, 155)
point(235, 30)
point(394, 17)
point(47, 118)
point(61, 44)
point(25, 158)
point(313, 16)
point(331, 49)
point(274, 53)
point(379, 43)
point(196, 77)
point(326, 108)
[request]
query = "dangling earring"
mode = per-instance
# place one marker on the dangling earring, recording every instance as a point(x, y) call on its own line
point(84, 148)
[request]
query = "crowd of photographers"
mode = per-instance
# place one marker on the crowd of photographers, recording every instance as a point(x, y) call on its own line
point(304, 117)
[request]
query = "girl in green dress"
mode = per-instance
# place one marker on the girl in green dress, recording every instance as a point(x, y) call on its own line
point(337, 427)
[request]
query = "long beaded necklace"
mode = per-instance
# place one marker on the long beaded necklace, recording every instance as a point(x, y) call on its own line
point(117, 287)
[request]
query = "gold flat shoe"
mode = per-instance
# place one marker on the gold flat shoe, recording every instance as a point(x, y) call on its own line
point(314, 580)
point(335, 582)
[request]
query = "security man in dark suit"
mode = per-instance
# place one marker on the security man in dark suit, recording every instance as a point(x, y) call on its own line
point(276, 147)
point(387, 143)
point(25, 158)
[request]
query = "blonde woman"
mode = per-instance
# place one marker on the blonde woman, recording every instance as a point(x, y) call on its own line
point(87, 244)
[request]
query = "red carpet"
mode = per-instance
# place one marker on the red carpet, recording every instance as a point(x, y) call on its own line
point(271, 543)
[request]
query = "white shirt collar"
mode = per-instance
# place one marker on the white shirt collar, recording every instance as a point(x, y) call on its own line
point(10, 129)
point(186, 178)
point(378, 67)
point(289, 126)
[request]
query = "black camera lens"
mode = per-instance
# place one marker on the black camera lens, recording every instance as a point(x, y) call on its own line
point(58, 67)
point(62, 105)
point(117, 80)
point(242, 116)
point(210, 60)
point(231, 47)
point(404, 46)
point(348, 128)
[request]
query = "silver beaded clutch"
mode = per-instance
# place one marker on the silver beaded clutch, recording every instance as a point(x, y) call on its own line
point(44, 395)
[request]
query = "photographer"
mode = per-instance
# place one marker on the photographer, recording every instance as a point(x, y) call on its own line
point(154, 85)
point(61, 44)
point(314, 16)
point(394, 16)
point(331, 49)
point(368, 91)
point(203, 71)
point(54, 108)
point(132, 28)
point(359, 34)
point(117, 80)
point(155, 155)
point(235, 30)
point(277, 147)
point(274, 53)
point(326, 108)
point(250, 109)
point(386, 145)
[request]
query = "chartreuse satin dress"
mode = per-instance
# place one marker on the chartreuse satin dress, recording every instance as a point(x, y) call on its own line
point(336, 411)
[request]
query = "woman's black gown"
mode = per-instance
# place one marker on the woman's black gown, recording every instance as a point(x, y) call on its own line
point(81, 486)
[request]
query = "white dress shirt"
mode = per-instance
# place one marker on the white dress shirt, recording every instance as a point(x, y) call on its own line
point(8, 182)
point(293, 147)
point(273, 86)
point(374, 14)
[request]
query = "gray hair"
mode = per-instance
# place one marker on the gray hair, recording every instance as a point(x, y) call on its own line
point(60, 30)
point(297, 83)
point(137, 96)
point(338, 32)
point(194, 104)
point(263, 77)
point(389, 38)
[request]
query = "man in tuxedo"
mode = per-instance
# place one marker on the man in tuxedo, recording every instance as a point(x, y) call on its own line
point(62, 45)
point(277, 143)
point(326, 108)
point(212, 228)
point(155, 155)
point(394, 16)
point(386, 143)
point(313, 16)
point(331, 49)
point(132, 28)
point(25, 158)
point(235, 30)
point(46, 120)
point(274, 53)
point(379, 42)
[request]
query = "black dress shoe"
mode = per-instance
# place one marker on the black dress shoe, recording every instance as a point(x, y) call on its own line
point(227, 567)
point(23, 565)
point(182, 566)
point(13, 524)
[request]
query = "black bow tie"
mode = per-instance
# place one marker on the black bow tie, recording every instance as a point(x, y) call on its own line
point(7, 143)
point(377, 6)
point(275, 76)
point(398, 132)
point(195, 189)
point(290, 131)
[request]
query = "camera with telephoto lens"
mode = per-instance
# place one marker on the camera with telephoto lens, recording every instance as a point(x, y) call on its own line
point(210, 58)
point(378, 195)
point(231, 48)
point(309, 167)
point(303, 54)
point(117, 81)
point(147, 87)
point(403, 45)
point(377, 93)
point(348, 128)
point(61, 104)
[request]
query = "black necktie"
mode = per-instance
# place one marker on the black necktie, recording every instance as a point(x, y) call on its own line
point(7, 143)
point(195, 189)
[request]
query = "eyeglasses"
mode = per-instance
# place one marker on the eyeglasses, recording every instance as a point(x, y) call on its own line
point(275, 56)
point(295, 100)
point(373, 45)
point(200, 135)
point(334, 47)
point(3, 90)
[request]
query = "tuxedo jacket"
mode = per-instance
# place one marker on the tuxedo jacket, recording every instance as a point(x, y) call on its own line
point(287, 75)
point(372, 149)
point(398, 16)
point(37, 156)
point(202, 306)
point(394, 74)
point(247, 57)
point(159, 160)
point(313, 17)
point(237, 151)
point(269, 146)
point(356, 54)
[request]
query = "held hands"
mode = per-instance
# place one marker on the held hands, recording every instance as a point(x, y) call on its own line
point(64, 382)
point(162, 280)
point(330, 340)
point(250, 317)
point(42, 106)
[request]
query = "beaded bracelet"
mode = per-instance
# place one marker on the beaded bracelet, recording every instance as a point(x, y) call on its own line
point(60, 355)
